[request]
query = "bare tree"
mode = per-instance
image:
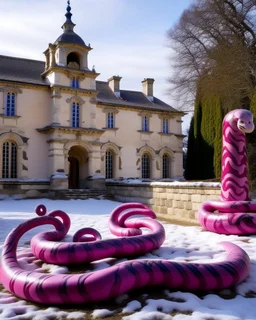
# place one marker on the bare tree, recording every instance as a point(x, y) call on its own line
point(214, 45)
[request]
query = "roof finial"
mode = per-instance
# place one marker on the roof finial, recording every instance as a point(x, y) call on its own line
point(68, 13)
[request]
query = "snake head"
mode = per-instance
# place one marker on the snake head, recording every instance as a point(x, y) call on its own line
point(244, 120)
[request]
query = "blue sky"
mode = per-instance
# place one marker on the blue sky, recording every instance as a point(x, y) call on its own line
point(128, 36)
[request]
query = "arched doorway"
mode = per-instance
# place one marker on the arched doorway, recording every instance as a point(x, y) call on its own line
point(78, 167)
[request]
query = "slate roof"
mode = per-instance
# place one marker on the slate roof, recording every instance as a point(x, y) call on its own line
point(29, 71)
point(135, 99)
point(70, 37)
point(21, 70)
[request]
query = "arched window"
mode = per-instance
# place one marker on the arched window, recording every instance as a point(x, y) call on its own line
point(75, 115)
point(73, 60)
point(145, 166)
point(109, 165)
point(9, 160)
point(165, 166)
point(10, 104)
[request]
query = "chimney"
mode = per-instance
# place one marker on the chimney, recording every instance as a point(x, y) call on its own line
point(147, 88)
point(114, 84)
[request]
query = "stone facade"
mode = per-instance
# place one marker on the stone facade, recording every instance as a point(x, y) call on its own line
point(169, 201)
point(57, 118)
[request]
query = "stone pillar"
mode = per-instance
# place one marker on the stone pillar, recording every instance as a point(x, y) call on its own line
point(57, 166)
point(56, 96)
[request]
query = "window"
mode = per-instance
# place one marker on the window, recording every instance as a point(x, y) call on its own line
point(75, 115)
point(110, 120)
point(109, 165)
point(145, 123)
point(165, 126)
point(9, 160)
point(73, 60)
point(145, 166)
point(10, 104)
point(75, 82)
point(165, 168)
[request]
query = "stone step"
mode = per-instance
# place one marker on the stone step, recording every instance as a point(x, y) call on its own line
point(81, 194)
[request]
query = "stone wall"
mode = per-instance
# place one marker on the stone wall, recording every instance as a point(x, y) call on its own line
point(170, 201)
point(24, 188)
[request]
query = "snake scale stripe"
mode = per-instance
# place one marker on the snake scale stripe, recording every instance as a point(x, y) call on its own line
point(115, 280)
point(235, 213)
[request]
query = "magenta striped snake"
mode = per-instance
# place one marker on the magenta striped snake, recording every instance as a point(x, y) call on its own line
point(235, 213)
point(117, 279)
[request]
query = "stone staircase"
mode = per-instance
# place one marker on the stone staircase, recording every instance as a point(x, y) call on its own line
point(81, 194)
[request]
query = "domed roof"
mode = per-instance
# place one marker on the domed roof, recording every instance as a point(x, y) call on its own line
point(70, 37)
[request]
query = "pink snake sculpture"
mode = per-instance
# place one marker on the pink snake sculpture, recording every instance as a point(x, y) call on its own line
point(117, 279)
point(235, 213)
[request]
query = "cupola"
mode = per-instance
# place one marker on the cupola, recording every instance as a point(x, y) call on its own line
point(69, 50)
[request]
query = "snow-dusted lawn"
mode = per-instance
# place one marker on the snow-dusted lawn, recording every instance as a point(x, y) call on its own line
point(182, 244)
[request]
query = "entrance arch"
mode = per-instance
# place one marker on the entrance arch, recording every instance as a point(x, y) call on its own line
point(78, 166)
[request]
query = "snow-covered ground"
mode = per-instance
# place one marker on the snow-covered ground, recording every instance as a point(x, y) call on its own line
point(181, 244)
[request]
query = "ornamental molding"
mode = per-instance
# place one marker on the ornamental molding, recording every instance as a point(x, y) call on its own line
point(75, 99)
point(145, 113)
point(165, 116)
point(110, 110)
point(11, 89)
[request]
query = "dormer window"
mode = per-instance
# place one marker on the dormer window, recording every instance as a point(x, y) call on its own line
point(74, 82)
point(73, 60)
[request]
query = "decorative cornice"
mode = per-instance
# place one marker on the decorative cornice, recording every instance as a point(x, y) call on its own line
point(76, 91)
point(63, 129)
point(110, 109)
point(61, 44)
point(11, 88)
point(165, 116)
point(145, 113)
point(68, 72)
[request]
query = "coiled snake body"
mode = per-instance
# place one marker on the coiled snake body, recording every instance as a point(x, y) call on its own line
point(117, 279)
point(235, 212)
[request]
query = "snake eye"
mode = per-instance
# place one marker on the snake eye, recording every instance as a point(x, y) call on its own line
point(241, 121)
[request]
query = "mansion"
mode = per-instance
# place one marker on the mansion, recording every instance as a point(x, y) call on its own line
point(61, 126)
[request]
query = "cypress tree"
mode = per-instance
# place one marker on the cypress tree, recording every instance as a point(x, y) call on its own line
point(218, 139)
point(189, 172)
